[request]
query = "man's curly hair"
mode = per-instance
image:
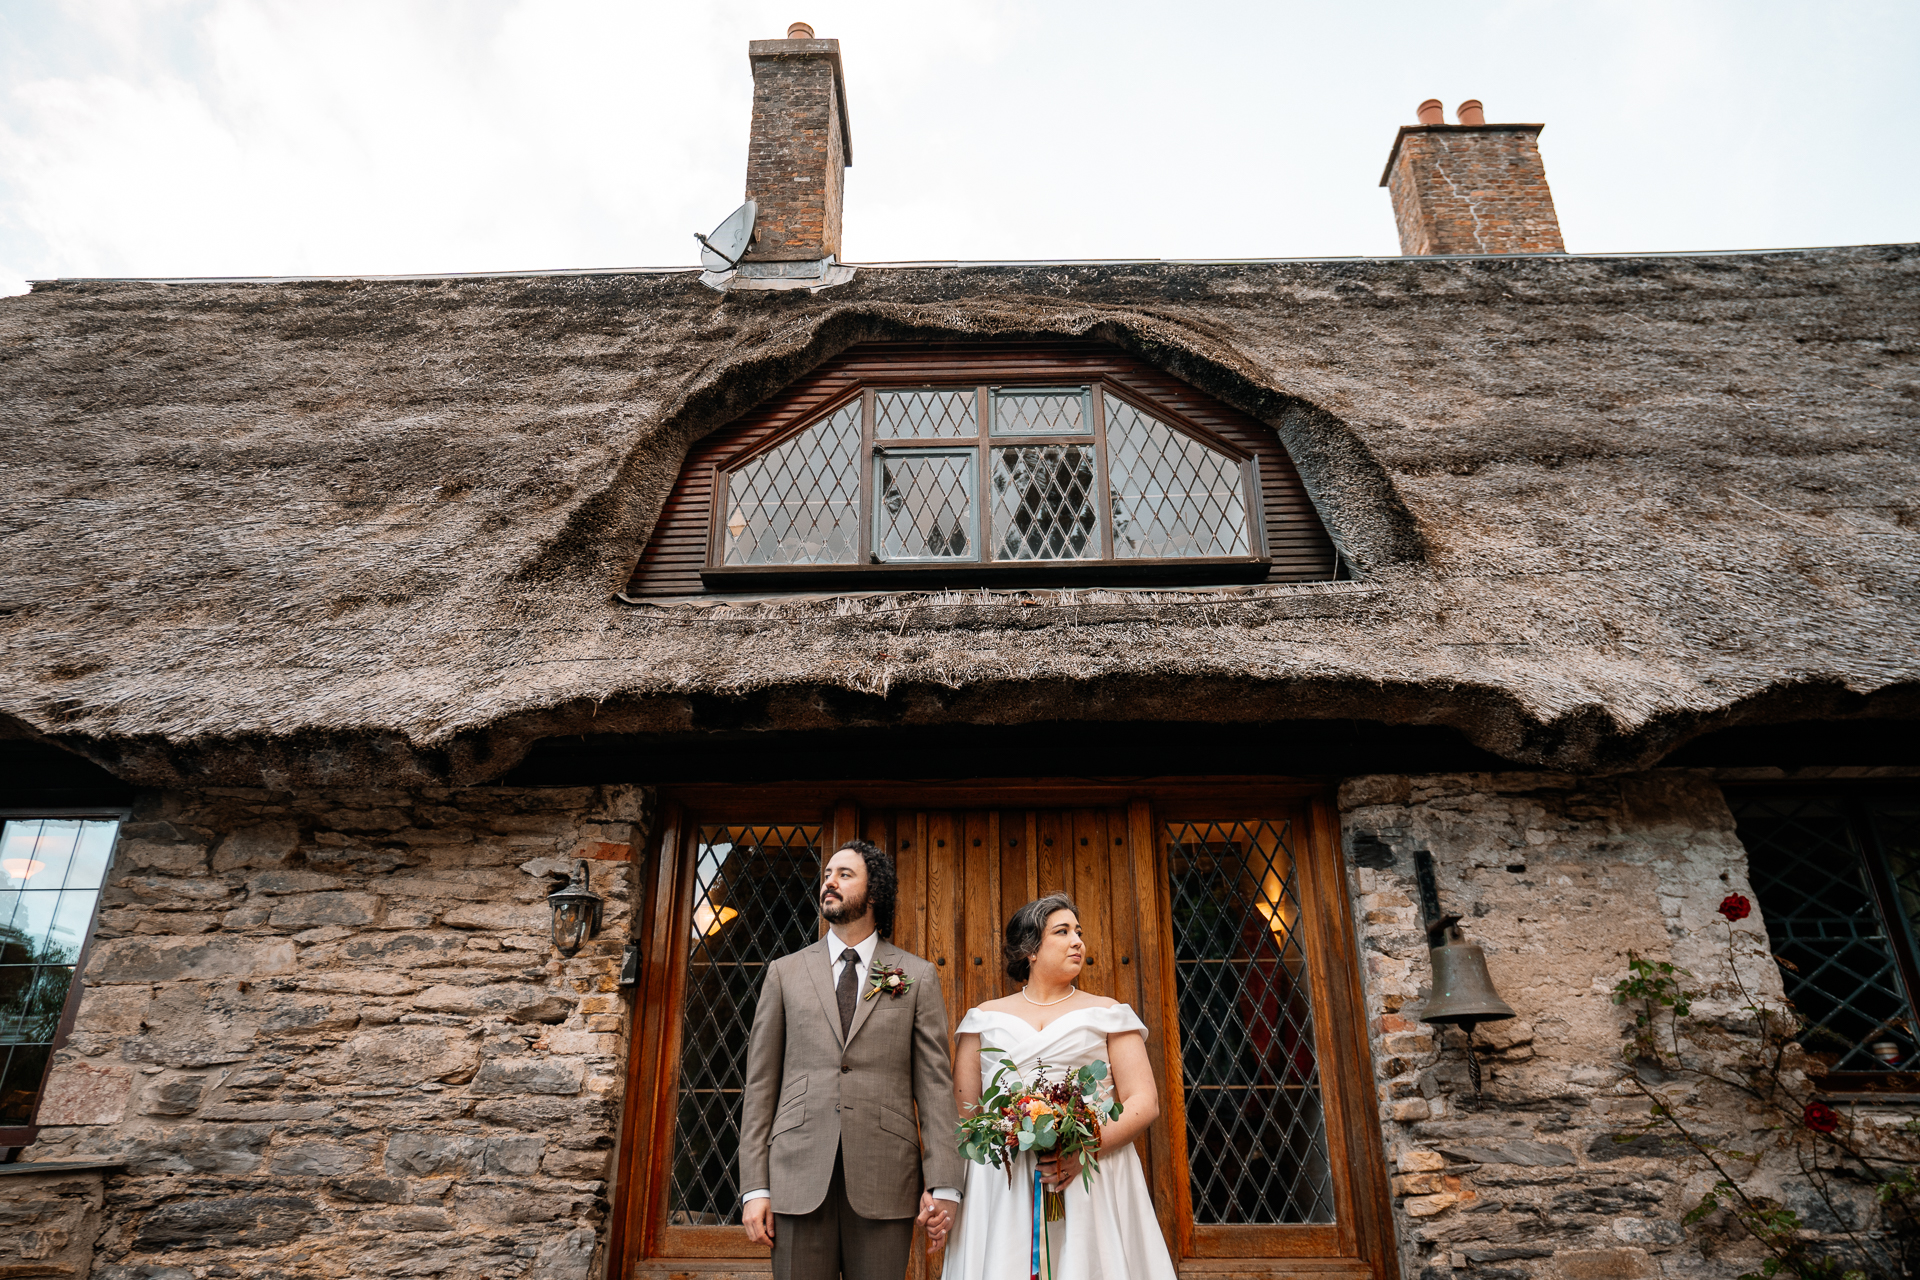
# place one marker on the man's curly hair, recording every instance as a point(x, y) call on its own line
point(883, 882)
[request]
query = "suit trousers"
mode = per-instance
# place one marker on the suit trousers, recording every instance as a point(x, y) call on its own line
point(834, 1242)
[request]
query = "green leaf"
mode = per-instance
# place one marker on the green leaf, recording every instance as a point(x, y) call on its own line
point(1706, 1206)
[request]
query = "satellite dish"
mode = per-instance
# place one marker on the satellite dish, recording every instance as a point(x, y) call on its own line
point(721, 251)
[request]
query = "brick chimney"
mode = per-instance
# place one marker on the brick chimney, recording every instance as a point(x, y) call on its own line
point(799, 149)
point(1470, 187)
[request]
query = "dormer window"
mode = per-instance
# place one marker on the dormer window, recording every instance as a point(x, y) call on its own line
point(891, 475)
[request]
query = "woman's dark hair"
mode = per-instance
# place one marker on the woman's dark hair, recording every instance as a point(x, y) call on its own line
point(1025, 930)
point(883, 882)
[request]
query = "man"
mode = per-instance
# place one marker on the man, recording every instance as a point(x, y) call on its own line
point(830, 1144)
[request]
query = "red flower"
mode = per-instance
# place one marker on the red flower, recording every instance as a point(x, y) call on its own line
point(1820, 1117)
point(1735, 907)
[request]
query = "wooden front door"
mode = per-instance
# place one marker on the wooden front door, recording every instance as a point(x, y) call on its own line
point(964, 871)
point(1219, 914)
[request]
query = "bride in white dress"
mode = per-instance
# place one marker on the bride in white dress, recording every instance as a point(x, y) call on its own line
point(1109, 1230)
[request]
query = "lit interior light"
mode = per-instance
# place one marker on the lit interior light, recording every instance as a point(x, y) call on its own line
point(22, 868)
point(1274, 904)
point(737, 522)
point(709, 919)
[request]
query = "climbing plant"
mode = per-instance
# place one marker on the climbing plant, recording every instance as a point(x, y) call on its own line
point(1756, 1053)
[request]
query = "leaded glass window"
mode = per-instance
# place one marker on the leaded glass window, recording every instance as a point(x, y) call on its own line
point(1838, 881)
point(753, 902)
point(983, 476)
point(1043, 503)
point(1172, 496)
point(928, 414)
point(1256, 1128)
point(51, 870)
point(925, 505)
point(1042, 411)
point(799, 503)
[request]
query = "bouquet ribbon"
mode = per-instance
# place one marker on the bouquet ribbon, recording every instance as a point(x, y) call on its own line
point(1038, 1226)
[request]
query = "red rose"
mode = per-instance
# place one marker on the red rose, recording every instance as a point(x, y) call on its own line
point(1735, 907)
point(1820, 1117)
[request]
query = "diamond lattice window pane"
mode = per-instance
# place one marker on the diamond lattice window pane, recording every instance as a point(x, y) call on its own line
point(925, 506)
point(924, 415)
point(752, 903)
point(1806, 857)
point(1061, 411)
point(1256, 1129)
point(799, 503)
point(1172, 495)
point(1043, 503)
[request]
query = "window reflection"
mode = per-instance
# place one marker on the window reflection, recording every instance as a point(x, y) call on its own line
point(753, 902)
point(51, 870)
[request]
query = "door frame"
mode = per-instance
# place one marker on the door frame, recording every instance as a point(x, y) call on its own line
point(1360, 1245)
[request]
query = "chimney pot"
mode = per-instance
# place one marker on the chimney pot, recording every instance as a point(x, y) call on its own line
point(1471, 188)
point(1431, 112)
point(799, 31)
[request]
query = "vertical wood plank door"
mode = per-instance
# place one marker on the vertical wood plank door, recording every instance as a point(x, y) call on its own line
point(1219, 913)
point(963, 872)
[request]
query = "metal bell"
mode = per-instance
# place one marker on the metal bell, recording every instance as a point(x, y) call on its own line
point(1463, 991)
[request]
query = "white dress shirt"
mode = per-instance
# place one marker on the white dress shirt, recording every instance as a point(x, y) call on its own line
point(865, 947)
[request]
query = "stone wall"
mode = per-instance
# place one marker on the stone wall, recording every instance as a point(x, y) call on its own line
point(49, 1220)
point(328, 1035)
point(1559, 879)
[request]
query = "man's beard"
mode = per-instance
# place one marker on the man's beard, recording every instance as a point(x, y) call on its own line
point(841, 910)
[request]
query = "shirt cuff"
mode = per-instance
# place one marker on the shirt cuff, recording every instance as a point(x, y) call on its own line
point(761, 1194)
point(946, 1193)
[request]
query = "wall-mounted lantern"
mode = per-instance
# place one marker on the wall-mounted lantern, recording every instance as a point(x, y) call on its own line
point(1463, 993)
point(576, 912)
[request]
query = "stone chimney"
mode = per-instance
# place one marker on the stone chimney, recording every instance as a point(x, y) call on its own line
point(799, 149)
point(1470, 187)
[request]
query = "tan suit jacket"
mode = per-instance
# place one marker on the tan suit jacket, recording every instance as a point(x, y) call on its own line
point(884, 1095)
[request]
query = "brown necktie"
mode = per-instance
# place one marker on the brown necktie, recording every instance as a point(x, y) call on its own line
point(849, 989)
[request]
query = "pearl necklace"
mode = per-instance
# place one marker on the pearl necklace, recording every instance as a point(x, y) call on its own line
point(1072, 991)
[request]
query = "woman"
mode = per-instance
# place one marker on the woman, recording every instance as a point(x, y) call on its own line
point(1109, 1230)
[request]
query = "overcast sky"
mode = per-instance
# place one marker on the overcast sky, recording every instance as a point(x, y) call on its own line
point(276, 137)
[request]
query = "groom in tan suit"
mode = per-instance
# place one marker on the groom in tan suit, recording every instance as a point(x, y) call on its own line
point(847, 1127)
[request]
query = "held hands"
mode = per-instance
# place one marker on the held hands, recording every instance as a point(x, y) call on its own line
point(1058, 1172)
point(757, 1217)
point(937, 1217)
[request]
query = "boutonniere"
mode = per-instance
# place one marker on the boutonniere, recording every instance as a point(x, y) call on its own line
point(886, 979)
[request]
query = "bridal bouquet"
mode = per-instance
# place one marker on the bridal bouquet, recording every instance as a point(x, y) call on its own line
point(1057, 1117)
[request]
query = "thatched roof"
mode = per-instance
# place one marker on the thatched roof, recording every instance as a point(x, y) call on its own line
point(325, 530)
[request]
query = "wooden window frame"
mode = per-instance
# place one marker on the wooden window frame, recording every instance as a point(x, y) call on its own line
point(1358, 1245)
point(670, 562)
point(984, 567)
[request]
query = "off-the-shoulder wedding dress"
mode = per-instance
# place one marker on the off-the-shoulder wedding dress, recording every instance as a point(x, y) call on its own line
point(1109, 1231)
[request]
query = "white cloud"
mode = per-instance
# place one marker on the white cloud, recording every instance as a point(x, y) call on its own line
point(196, 137)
